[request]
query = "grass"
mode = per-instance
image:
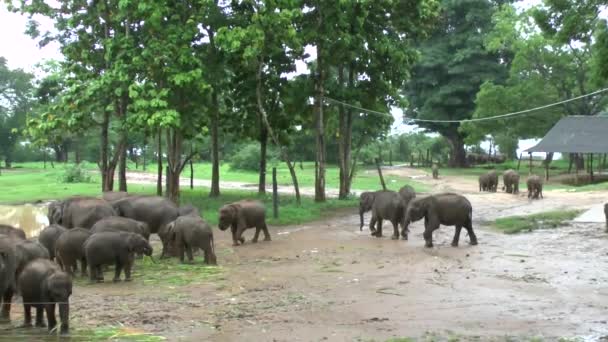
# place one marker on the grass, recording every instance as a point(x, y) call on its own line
point(170, 272)
point(117, 333)
point(549, 219)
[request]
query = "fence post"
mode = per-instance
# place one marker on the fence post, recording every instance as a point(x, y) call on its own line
point(275, 194)
point(380, 174)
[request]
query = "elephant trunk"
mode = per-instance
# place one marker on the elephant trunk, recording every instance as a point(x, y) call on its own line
point(64, 315)
point(361, 218)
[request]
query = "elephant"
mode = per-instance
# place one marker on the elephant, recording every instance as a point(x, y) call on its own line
point(447, 209)
point(435, 170)
point(606, 214)
point(388, 205)
point(116, 248)
point(57, 209)
point(112, 196)
point(42, 281)
point(12, 232)
point(156, 211)
point(510, 179)
point(492, 181)
point(366, 200)
point(8, 268)
point(407, 193)
point(484, 182)
point(69, 249)
point(84, 213)
point(48, 236)
point(189, 209)
point(26, 251)
point(242, 215)
point(123, 224)
point(535, 187)
point(191, 233)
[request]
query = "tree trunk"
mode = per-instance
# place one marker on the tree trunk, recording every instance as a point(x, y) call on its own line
point(263, 148)
point(320, 157)
point(175, 165)
point(547, 162)
point(8, 162)
point(570, 162)
point(591, 176)
point(380, 174)
point(343, 175)
point(215, 155)
point(458, 155)
point(77, 149)
point(103, 164)
point(159, 159)
point(122, 167)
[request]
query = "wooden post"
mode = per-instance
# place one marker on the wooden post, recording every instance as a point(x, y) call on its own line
point(380, 174)
point(191, 175)
point(530, 171)
point(521, 155)
point(591, 167)
point(44, 156)
point(275, 194)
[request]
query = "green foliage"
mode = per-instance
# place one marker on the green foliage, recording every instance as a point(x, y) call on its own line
point(76, 173)
point(549, 219)
point(248, 158)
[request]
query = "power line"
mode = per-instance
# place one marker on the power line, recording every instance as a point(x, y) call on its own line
point(501, 116)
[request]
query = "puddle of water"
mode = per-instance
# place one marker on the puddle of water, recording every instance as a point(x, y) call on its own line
point(31, 218)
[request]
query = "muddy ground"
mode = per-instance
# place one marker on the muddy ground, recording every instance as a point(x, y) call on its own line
point(329, 281)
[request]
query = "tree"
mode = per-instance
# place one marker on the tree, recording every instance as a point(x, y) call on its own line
point(16, 93)
point(453, 66)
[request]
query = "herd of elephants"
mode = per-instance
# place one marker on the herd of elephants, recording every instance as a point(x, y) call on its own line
point(115, 229)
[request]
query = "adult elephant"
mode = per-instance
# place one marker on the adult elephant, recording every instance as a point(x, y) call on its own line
point(388, 205)
point(447, 209)
point(366, 201)
point(242, 215)
point(84, 213)
point(510, 179)
point(122, 224)
point(535, 187)
point(57, 209)
point(112, 196)
point(12, 232)
point(8, 267)
point(190, 233)
point(49, 235)
point(156, 211)
point(69, 250)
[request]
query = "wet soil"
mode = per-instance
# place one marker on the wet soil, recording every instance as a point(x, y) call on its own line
point(327, 280)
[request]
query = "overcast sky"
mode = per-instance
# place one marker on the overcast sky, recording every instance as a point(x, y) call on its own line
point(21, 51)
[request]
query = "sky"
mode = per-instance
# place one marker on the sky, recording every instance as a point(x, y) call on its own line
point(21, 51)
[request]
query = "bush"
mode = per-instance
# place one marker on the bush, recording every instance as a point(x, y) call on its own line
point(248, 158)
point(76, 173)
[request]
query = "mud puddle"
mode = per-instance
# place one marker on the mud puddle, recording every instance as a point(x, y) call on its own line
point(31, 218)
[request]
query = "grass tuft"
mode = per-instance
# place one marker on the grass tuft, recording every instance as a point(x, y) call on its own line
point(171, 272)
point(121, 334)
point(549, 219)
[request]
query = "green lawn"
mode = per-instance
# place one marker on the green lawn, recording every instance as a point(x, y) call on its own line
point(549, 219)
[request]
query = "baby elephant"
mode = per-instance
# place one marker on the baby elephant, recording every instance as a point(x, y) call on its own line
point(435, 171)
point(13, 232)
point(43, 285)
point(69, 250)
point(366, 200)
point(535, 187)
point(48, 236)
point(242, 215)
point(190, 233)
point(447, 209)
point(116, 248)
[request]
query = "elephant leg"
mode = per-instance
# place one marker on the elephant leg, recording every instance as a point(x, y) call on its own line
point(235, 241)
point(256, 235)
point(428, 238)
point(189, 251)
point(39, 317)
point(92, 273)
point(379, 228)
point(83, 266)
point(266, 233)
point(99, 273)
point(128, 267)
point(456, 236)
point(472, 236)
point(50, 316)
point(395, 230)
point(372, 223)
point(6, 305)
point(27, 311)
point(180, 252)
point(117, 270)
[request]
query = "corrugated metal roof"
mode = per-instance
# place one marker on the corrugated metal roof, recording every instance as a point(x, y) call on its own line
point(576, 134)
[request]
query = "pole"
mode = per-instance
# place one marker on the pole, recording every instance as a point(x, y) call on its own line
point(519, 160)
point(275, 194)
point(530, 171)
point(380, 174)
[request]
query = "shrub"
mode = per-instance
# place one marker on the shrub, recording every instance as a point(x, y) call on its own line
point(76, 173)
point(248, 158)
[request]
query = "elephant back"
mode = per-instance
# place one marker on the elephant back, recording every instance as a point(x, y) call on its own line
point(156, 211)
point(12, 232)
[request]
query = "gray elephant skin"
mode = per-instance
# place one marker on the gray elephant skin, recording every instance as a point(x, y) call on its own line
point(84, 213)
point(488, 181)
point(189, 210)
point(242, 215)
point(388, 205)
point(69, 249)
point(154, 210)
point(8, 267)
point(42, 281)
point(190, 233)
point(48, 237)
point(510, 180)
point(114, 248)
point(442, 209)
point(435, 170)
point(535, 187)
point(12, 232)
point(57, 209)
point(122, 224)
point(606, 214)
point(112, 196)
point(366, 200)
point(26, 251)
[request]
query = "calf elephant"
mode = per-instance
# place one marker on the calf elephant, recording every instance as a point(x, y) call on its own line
point(535, 187)
point(48, 236)
point(510, 179)
point(57, 209)
point(116, 248)
point(156, 211)
point(12, 232)
point(484, 182)
point(84, 213)
point(121, 224)
point(42, 281)
point(442, 209)
point(366, 200)
point(435, 170)
point(8, 267)
point(407, 193)
point(190, 233)
point(242, 215)
point(388, 205)
point(26, 251)
point(69, 250)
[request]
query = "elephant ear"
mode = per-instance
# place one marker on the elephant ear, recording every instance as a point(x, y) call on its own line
point(431, 213)
point(239, 216)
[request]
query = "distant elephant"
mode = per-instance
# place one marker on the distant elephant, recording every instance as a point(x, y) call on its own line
point(122, 224)
point(442, 209)
point(388, 205)
point(484, 182)
point(407, 193)
point(112, 196)
point(8, 268)
point(49, 235)
point(56, 209)
point(366, 200)
point(190, 233)
point(492, 181)
point(114, 248)
point(26, 251)
point(510, 179)
point(189, 209)
point(69, 250)
point(42, 281)
point(606, 214)
point(12, 232)
point(435, 170)
point(84, 213)
point(242, 215)
point(156, 211)
point(535, 187)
